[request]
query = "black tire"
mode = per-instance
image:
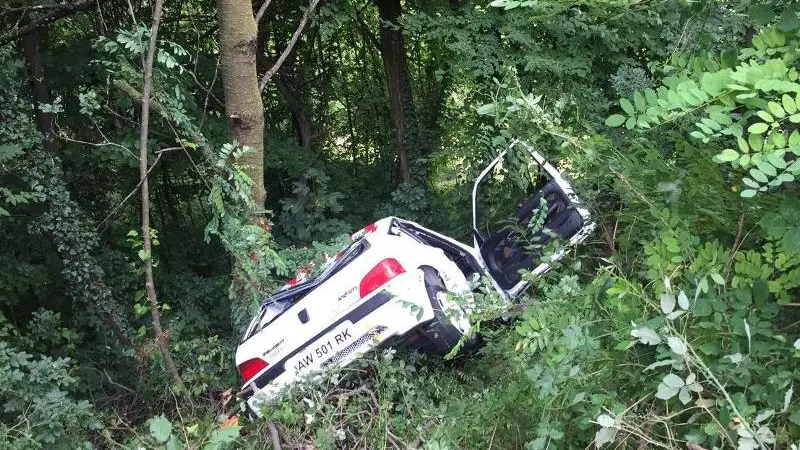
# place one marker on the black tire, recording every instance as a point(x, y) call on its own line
point(440, 333)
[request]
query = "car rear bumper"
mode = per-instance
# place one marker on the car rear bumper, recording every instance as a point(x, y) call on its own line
point(387, 314)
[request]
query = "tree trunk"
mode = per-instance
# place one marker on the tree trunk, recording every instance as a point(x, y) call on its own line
point(162, 336)
point(244, 109)
point(41, 95)
point(401, 102)
point(299, 117)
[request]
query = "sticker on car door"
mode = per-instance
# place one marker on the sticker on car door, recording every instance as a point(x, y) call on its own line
point(322, 349)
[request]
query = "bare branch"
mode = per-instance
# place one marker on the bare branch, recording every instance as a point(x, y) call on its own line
point(271, 72)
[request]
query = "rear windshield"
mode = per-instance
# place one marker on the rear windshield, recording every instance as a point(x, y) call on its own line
point(277, 304)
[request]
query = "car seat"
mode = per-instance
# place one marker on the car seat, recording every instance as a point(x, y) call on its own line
point(506, 252)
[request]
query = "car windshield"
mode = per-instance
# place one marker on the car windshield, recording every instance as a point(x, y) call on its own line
point(275, 305)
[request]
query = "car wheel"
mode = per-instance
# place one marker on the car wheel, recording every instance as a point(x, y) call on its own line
point(440, 332)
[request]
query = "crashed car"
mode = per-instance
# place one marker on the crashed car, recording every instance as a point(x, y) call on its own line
point(391, 284)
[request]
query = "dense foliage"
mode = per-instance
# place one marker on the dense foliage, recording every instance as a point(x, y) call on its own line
point(677, 325)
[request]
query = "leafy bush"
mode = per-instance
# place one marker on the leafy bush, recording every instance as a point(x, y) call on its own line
point(39, 410)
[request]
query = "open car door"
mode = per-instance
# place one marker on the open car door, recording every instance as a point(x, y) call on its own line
point(547, 210)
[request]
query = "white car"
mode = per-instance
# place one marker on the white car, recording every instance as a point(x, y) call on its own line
point(390, 284)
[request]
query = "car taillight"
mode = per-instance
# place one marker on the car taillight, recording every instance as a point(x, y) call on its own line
point(251, 367)
point(380, 275)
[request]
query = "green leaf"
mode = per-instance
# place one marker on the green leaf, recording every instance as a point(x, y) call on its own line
point(487, 109)
point(667, 303)
point(751, 183)
point(742, 145)
point(697, 134)
point(220, 438)
point(778, 139)
point(677, 345)
point(673, 381)
point(646, 336)
point(721, 118)
point(704, 128)
point(638, 100)
point(776, 159)
point(765, 116)
point(757, 128)
point(630, 123)
point(683, 300)
point(794, 139)
point(776, 110)
point(756, 142)
point(717, 278)
point(794, 118)
point(761, 14)
point(744, 161)
point(712, 124)
point(758, 175)
point(760, 291)
point(615, 120)
point(651, 97)
point(604, 420)
point(665, 392)
point(767, 168)
point(689, 98)
point(748, 193)
point(784, 225)
point(627, 106)
point(160, 428)
point(788, 21)
point(174, 443)
point(788, 104)
point(728, 155)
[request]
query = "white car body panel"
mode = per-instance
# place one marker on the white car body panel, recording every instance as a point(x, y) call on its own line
point(340, 298)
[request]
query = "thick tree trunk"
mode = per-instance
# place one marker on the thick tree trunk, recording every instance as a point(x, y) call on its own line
point(401, 102)
point(244, 109)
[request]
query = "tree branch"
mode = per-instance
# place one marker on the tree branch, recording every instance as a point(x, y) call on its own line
point(367, 33)
point(271, 72)
point(162, 337)
point(66, 10)
point(262, 10)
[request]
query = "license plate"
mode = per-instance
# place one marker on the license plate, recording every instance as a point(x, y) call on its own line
point(322, 349)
